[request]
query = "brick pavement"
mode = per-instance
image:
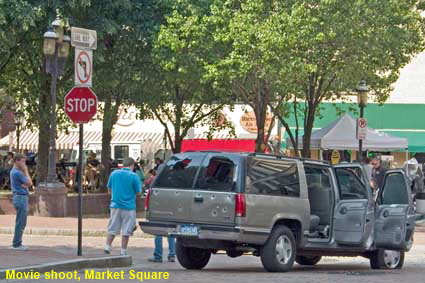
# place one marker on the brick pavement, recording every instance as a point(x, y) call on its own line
point(56, 223)
point(49, 249)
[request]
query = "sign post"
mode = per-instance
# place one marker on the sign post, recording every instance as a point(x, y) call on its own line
point(81, 103)
point(361, 133)
point(80, 106)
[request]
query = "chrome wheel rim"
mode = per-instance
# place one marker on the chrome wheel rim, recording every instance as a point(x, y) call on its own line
point(391, 258)
point(283, 249)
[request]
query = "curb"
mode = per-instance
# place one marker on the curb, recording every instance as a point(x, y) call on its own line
point(66, 232)
point(75, 264)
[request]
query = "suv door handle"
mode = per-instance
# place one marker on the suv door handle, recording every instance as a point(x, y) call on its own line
point(343, 210)
point(199, 199)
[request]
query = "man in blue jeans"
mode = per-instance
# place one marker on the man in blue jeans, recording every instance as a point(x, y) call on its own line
point(20, 182)
point(157, 253)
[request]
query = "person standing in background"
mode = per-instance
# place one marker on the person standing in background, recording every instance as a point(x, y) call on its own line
point(124, 185)
point(20, 182)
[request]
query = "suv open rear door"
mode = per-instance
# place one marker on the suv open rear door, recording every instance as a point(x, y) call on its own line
point(354, 212)
point(395, 217)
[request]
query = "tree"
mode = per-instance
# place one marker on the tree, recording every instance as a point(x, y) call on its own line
point(335, 44)
point(251, 58)
point(181, 97)
point(23, 75)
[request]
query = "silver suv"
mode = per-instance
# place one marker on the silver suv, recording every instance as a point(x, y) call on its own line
point(280, 209)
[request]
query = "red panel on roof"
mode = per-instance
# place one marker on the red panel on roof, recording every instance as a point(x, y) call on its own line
point(218, 144)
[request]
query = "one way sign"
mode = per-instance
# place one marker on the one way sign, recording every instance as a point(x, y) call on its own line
point(83, 38)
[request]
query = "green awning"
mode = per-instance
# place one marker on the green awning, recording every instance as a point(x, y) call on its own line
point(416, 139)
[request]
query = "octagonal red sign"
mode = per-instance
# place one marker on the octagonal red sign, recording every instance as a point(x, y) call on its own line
point(80, 104)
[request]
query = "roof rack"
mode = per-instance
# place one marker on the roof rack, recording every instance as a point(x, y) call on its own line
point(290, 157)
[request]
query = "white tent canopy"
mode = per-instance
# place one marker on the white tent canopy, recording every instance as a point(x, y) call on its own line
point(341, 135)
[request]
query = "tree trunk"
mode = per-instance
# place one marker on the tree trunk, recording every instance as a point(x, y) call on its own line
point(260, 111)
point(178, 144)
point(43, 138)
point(308, 128)
point(109, 120)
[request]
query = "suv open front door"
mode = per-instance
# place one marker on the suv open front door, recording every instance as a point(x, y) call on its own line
point(395, 217)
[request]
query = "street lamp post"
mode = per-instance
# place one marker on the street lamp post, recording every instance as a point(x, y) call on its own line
point(56, 50)
point(362, 90)
point(19, 121)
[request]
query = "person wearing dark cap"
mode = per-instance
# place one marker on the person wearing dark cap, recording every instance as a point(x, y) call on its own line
point(124, 185)
point(20, 182)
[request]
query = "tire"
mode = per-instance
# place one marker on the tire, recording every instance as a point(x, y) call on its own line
point(387, 259)
point(308, 260)
point(192, 258)
point(280, 259)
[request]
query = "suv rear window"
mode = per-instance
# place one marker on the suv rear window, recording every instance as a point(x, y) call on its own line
point(217, 175)
point(179, 172)
point(272, 177)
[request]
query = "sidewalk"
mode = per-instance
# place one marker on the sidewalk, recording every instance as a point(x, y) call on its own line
point(53, 249)
point(92, 227)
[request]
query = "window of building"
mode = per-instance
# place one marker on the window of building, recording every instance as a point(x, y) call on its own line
point(121, 152)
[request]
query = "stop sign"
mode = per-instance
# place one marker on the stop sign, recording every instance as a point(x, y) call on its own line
point(80, 104)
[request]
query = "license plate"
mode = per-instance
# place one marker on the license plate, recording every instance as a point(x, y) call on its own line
point(188, 230)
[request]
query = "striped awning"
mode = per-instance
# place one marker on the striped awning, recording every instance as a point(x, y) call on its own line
point(29, 140)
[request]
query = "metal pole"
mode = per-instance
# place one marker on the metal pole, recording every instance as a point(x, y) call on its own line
point(51, 173)
point(360, 157)
point(18, 134)
point(80, 190)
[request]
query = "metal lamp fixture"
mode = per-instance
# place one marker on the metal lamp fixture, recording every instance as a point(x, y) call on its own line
point(362, 96)
point(63, 51)
point(49, 45)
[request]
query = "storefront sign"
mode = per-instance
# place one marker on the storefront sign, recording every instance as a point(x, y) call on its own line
point(126, 117)
point(249, 123)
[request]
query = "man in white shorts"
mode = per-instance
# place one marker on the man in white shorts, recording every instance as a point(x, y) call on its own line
point(124, 186)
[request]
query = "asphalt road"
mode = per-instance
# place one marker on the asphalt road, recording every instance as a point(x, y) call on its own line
point(248, 269)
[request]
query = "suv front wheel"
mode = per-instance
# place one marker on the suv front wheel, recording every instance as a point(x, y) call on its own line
point(387, 259)
point(278, 254)
point(192, 258)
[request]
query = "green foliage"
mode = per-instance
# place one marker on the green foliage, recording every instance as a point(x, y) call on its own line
point(181, 95)
point(312, 49)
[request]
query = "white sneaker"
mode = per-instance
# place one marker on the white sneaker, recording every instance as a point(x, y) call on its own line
point(20, 248)
point(124, 252)
point(107, 250)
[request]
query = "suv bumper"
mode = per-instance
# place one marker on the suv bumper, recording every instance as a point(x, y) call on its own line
point(212, 232)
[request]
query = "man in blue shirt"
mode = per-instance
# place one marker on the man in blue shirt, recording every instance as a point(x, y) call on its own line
point(20, 182)
point(124, 186)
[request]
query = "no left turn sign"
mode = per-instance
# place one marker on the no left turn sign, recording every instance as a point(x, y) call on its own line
point(83, 67)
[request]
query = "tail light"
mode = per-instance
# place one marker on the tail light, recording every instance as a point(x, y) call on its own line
point(71, 172)
point(148, 196)
point(240, 205)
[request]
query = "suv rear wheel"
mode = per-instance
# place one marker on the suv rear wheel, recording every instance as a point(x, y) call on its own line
point(192, 258)
point(387, 259)
point(278, 254)
point(308, 260)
